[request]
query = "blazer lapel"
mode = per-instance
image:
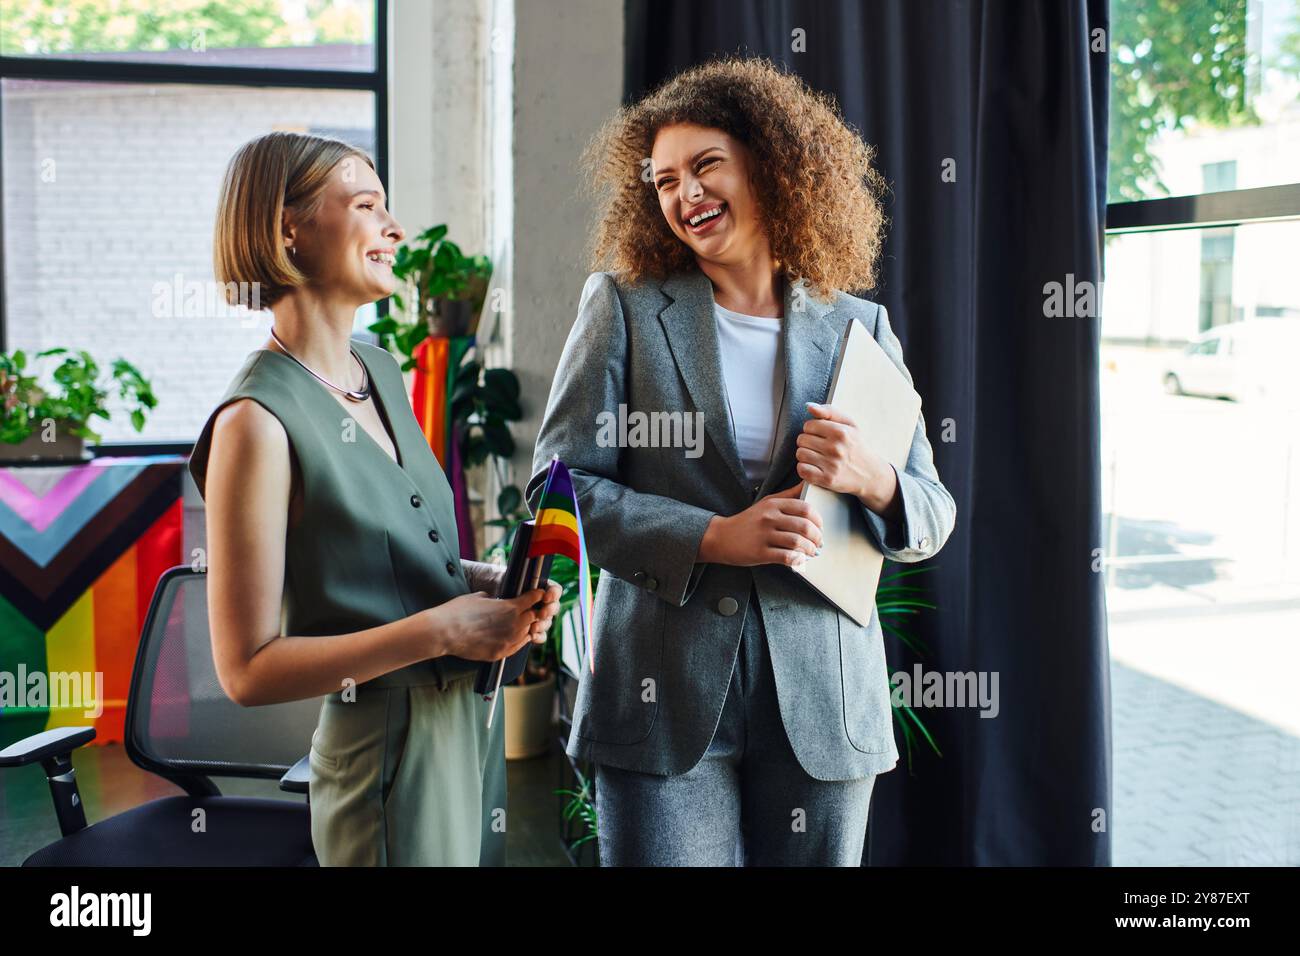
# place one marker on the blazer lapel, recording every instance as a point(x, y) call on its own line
point(808, 341)
point(693, 337)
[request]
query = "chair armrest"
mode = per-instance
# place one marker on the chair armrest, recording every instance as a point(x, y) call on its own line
point(58, 742)
point(295, 779)
point(52, 749)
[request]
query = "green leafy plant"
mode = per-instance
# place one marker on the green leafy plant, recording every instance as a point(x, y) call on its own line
point(437, 267)
point(893, 603)
point(482, 402)
point(580, 806)
point(81, 393)
point(444, 289)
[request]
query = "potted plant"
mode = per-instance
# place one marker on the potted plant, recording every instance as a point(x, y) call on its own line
point(40, 424)
point(445, 292)
point(483, 402)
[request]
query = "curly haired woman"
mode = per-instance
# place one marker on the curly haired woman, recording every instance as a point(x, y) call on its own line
point(734, 715)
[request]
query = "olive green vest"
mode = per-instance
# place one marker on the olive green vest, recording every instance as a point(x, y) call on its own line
point(376, 541)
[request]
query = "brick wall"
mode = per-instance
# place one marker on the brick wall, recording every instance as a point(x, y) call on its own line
point(112, 189)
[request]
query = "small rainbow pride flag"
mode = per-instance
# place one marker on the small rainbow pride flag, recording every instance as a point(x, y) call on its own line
point(557, 529)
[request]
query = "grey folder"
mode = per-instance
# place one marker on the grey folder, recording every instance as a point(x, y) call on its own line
point(870, 389)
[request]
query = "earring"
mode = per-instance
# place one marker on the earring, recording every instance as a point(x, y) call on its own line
point(293, 250)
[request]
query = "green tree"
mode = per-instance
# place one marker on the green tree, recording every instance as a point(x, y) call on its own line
point(31, 27)
point(1288, 53)
point(1171, 64)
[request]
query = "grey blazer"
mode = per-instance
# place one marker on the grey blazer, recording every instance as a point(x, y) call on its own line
point(666, 627)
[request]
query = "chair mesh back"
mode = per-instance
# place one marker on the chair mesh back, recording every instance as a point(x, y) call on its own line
point(180, 717)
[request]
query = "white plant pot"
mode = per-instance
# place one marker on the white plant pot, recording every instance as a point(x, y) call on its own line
point(528, 718)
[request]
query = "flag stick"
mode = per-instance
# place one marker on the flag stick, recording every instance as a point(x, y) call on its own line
point(495, 690)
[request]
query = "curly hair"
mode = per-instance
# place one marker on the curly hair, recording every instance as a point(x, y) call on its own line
point(818, 194)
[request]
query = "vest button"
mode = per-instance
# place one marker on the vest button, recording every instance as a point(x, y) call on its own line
point(451, 568)
point(415, 501)
point(728, 606)
point(433, 536)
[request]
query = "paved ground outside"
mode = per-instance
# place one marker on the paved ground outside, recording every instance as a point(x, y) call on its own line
point(1202, 505)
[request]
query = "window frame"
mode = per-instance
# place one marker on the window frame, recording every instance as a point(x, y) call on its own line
point(374, 81)
point(1233, 207)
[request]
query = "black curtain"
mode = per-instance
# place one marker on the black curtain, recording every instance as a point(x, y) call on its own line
point(1013, 94)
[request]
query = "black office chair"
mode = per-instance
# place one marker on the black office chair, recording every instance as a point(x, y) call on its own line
point(181, 726)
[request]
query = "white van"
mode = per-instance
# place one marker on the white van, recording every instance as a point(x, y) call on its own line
point(1256, 360)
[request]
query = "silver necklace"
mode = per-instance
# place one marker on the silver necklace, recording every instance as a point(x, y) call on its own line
point(355, 395)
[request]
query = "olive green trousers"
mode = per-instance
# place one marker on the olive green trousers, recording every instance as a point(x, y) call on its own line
point(409, 776)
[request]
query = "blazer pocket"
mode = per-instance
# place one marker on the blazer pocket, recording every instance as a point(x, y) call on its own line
point(619, 702)
point(864, 674)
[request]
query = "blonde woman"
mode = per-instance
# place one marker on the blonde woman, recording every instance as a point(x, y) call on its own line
point(333, 565)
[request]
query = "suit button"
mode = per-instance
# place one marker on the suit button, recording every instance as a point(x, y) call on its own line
point(728, 606)
point(651, 583)
point(638, 576)
point(415, 501)
point(451, 568)
point(433, 536)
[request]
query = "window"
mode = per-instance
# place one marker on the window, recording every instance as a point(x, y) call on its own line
point(1201, 433)
point(116, 129)
point(1203, 97)
point(307, 34)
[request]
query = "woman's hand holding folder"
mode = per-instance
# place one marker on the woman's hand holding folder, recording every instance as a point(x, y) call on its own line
point(831, 455)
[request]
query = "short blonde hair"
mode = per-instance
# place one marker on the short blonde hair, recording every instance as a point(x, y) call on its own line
point(266, 176)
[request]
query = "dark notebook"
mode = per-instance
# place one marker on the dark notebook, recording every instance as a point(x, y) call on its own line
point(522, 574)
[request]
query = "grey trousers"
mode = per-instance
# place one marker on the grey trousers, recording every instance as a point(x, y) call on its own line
point(748, 802)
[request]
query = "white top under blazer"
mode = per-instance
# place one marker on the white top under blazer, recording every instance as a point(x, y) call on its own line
point(754, 373)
